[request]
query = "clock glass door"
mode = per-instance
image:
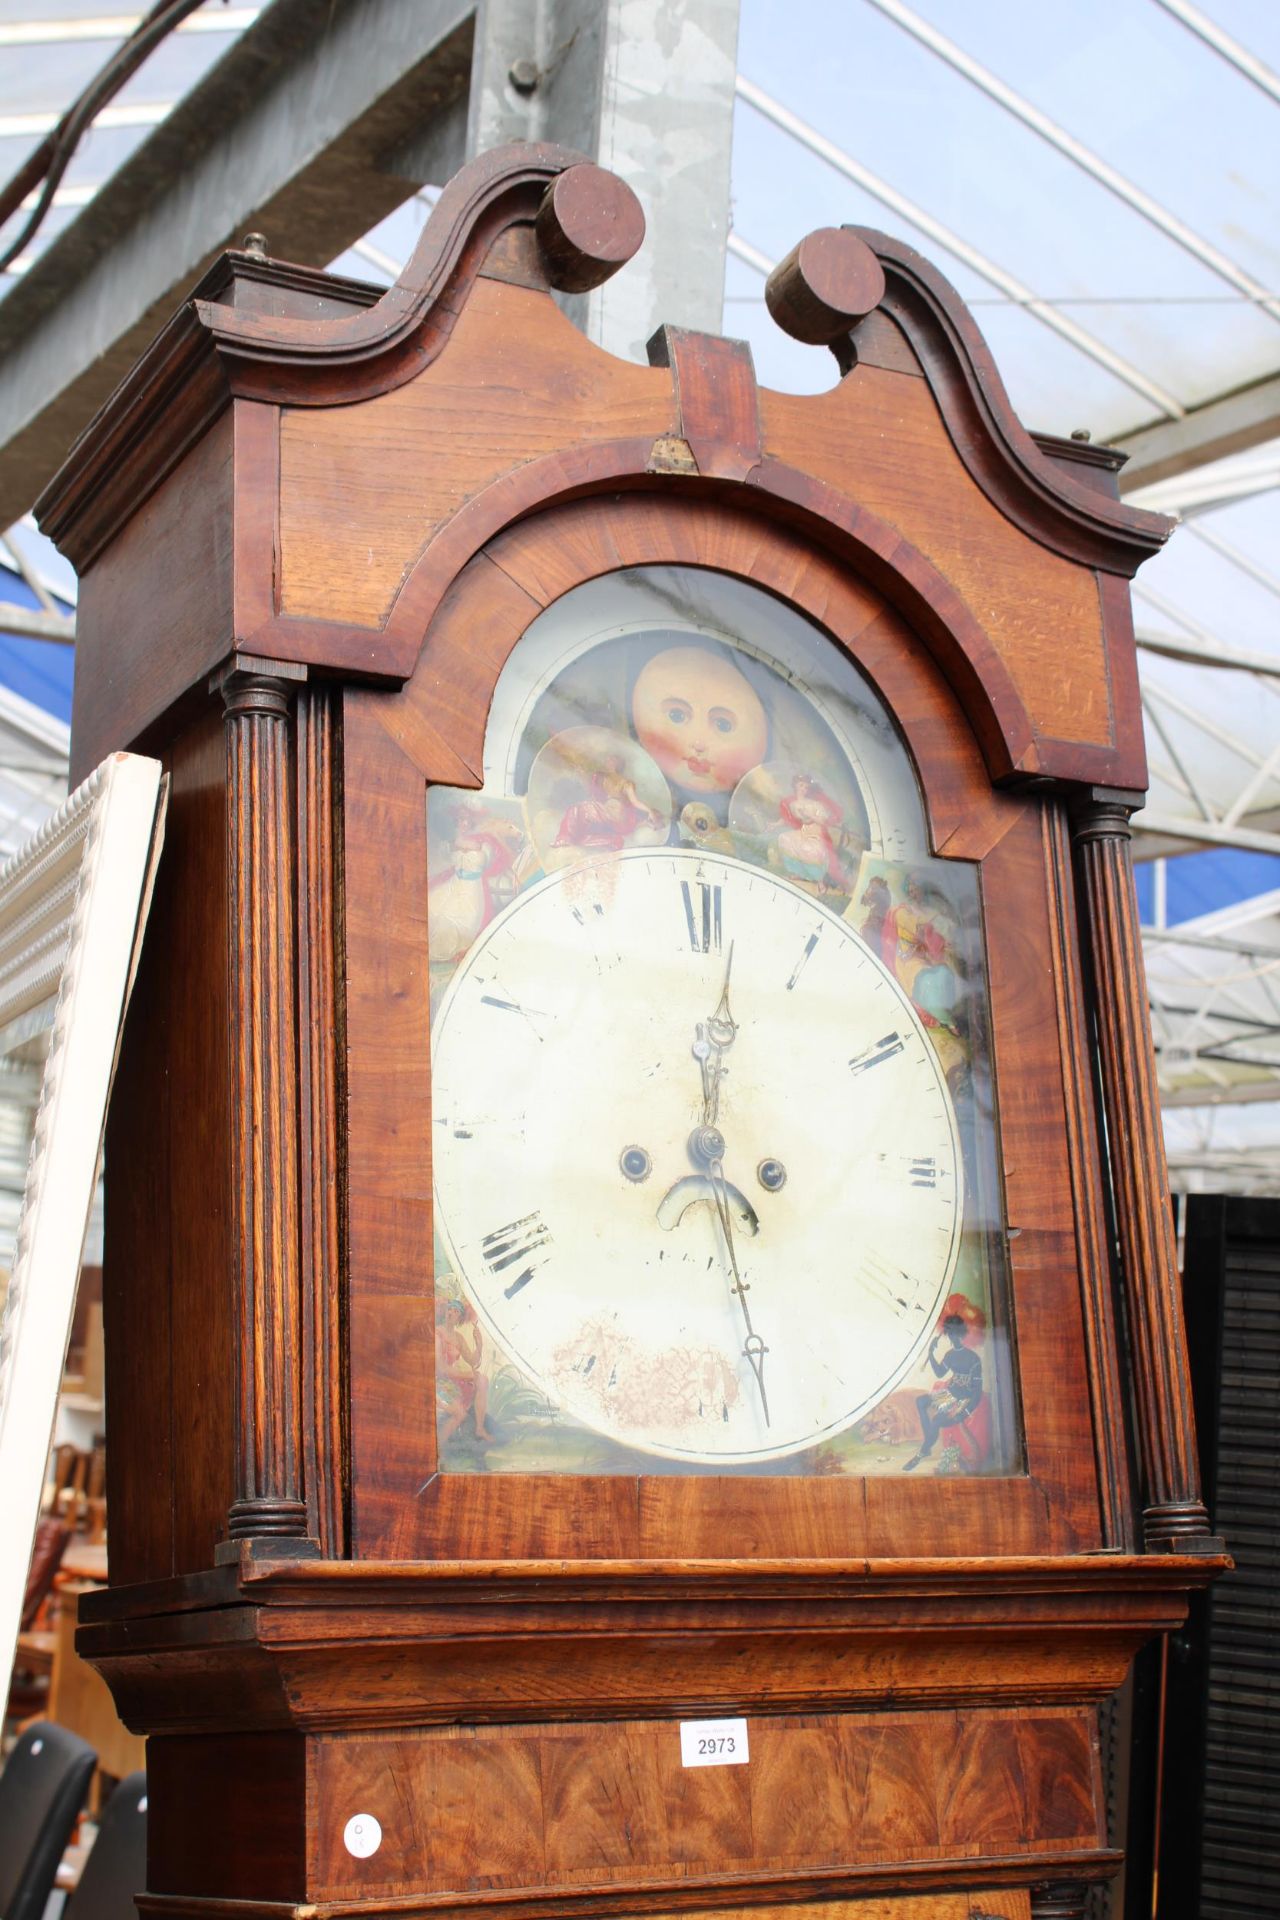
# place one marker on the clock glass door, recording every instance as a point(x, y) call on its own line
point(713, 1117)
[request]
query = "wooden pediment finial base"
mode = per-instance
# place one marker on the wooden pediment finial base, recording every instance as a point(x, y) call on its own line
point(589, 224)
point(824, 287)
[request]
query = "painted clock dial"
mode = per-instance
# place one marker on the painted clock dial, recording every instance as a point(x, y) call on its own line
point(696, 1161)
point(657, 1250)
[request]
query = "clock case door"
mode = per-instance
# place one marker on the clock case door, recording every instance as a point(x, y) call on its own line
point(1019, 845)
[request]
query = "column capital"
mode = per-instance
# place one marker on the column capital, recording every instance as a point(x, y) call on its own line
point(1104, 813)
point(249, 683)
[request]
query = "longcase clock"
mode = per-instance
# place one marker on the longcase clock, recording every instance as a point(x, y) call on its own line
point(642, 1338)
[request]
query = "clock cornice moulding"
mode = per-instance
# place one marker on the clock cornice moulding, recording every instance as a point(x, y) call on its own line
point(268, 1577)
point(546, 218)
point(310, 1642)
point(220, 346)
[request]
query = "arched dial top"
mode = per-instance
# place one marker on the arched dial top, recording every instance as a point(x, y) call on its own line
point(695, 1159)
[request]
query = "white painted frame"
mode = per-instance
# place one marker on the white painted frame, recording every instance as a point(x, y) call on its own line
point(73, 903)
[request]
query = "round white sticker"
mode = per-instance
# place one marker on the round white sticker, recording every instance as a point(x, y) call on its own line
point(362, 1835)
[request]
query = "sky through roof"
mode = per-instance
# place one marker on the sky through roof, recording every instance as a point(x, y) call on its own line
point(1098, 179)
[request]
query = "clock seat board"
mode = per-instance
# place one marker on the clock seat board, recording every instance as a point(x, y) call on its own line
point(641, 1309)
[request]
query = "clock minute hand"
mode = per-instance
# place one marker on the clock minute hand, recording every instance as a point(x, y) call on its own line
point(715, 1036)
point(753, 1347)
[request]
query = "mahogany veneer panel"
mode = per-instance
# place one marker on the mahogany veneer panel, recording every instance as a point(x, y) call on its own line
point(391, 1324)
point(166, 1252)
point(155, 609)
point(466, 1809)
point(879, 435)
point(223, 1816)
point(929, 1906)
point(364, 487)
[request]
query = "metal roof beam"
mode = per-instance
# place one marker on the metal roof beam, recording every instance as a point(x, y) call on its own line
point(1185, 780)
point(1082, 156)
point(653, 85)
point(743, 250)
point(28, 623)
point(1177, 937)
point(1235, 1093)
point(1243, 562)
point(1172, 826)
point(1201, 1016)
point(1229, 423)
point(114, 26)
point(1222, 43)
point(1243, 659)
point(1042, 310)
point(288, 134)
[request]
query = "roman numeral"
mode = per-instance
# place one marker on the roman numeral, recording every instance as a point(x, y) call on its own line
point(889, 1285)
point(702, 915)
point(531, 1015)
point(883, 1049)
point(518, 1241)
point(924, 1173)
point(809, 946)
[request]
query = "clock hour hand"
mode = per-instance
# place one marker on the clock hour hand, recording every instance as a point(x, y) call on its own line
point(714, 1036)
point(722, 1026)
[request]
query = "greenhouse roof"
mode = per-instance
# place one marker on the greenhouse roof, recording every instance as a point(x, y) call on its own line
point(1100, 180)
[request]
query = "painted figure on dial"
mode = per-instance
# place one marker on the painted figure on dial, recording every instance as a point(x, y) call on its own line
point(593, 791)
point(462, 1378)
point(916, 946)
point(875, 901)
point(956, 1406)
point(610, 814)
point(478, 881)
point(806, 848)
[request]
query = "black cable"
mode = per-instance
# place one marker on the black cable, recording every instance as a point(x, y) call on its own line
point(53, 156)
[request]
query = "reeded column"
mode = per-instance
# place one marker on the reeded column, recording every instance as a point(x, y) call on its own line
point(316, 750)
point(1174, 1515)
point(257, 700)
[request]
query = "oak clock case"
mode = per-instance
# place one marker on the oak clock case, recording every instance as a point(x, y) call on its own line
point(713, 1141)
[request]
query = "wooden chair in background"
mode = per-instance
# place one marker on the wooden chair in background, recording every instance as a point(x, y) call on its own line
point(37, 1640)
